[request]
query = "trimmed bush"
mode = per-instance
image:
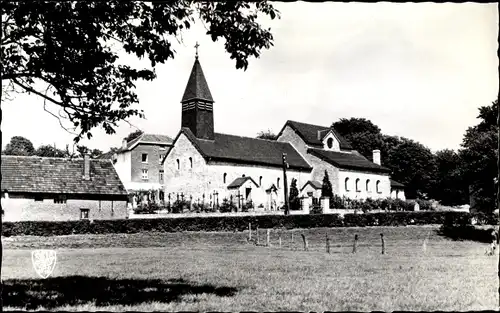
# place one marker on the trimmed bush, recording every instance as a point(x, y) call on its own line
point(233, 223)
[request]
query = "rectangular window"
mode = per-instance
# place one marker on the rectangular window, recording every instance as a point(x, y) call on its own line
point(84, 214)
point(161, 176)
point(161, 158)
point(144, 174)
point(144, 158)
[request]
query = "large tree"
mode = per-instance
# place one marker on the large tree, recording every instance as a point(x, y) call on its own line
point(268, 134)
point(50, 151)
point(414, 165)
point(66, 52)
point(19, 145)
point(479, 155)
point(449, 186)
point(133, 135)
point(363, 135)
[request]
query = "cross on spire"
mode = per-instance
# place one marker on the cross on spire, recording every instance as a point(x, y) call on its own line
point(196, 47)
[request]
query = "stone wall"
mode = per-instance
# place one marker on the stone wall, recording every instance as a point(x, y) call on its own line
point(22, 209)
point(205, 178)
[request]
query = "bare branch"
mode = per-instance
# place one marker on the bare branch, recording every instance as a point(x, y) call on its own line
point(29, 89)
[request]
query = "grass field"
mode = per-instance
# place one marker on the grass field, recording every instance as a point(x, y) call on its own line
point(222, 272)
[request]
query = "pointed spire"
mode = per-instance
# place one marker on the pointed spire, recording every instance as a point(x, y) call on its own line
point(197, 87)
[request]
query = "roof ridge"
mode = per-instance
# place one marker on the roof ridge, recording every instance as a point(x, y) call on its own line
point(309, 124)
point(281, 142)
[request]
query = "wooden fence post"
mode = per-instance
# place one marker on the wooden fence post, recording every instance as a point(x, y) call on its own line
point(257, 234)
point(355, 245)
point(306, 246)
point(327, 244)
point(249, 231)
point(267, 237)
point(383, 243)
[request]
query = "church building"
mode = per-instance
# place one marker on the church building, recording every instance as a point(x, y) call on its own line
point(205, 166)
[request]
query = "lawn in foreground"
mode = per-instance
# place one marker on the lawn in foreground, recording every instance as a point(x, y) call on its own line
point(222, 272)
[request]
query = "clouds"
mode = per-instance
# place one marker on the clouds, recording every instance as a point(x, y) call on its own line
point(416, 70)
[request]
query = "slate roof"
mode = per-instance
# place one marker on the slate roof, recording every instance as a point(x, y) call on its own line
point(348, 160)
point(396, 184)
point(247, 150)
point(238, 182)
point(315, 184)
point(148, 138)
point(197, 87)
point(58, 175)
point(309, 133)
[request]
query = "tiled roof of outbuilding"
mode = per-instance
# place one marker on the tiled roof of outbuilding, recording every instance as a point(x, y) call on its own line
point(247, 150)
point(59, 175)
point(348, 160)
point(238, 182)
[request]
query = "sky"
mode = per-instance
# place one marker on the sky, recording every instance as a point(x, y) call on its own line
point(419, 71)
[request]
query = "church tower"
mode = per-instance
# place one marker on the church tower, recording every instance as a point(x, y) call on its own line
point(197, 104)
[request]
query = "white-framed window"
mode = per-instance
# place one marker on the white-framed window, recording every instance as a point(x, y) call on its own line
point(368, 185)
point(378, 186)
point(190, 162)
point(144, 158)
point(160, 159)
point(358, 189)
point(224, 177)
point(278, 183)
point(84, 214)
point(144, 174)
point(178, 164)
point(347, 184)
point(260, 181)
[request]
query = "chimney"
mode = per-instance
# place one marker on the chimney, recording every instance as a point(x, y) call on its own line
point(319, 135)
point(86, 166)
point(124, 143)
point(376, 157)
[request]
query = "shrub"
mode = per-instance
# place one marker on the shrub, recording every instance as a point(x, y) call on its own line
point(247, 206)
point(227, 206)
point(458, 222)
point(336, 202)
point(179, 206)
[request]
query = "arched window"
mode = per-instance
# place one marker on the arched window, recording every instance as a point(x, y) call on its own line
point(368, 185)
point(347, 184)
point(224, 177)
point(329, 143)
point(378, 186)
point(358, 189)
point(191, 162)
point(178, 164)
point(260, 181)
point(278, 183)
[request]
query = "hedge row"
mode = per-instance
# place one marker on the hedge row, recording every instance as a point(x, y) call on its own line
point(232, 223)
point(467, 232)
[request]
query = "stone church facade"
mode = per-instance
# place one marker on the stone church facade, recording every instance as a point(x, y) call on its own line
point(205, 166)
